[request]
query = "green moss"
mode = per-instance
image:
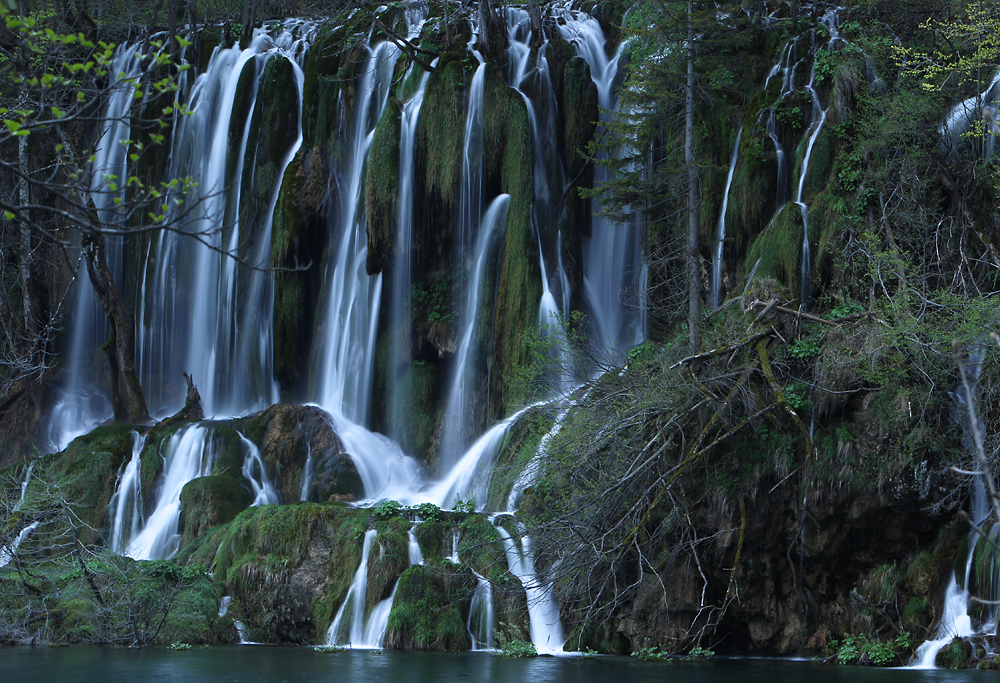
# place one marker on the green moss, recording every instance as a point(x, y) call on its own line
point(518, 448)
point(508, 163)
point(779, 248)
point(388, 558)
point(289, 566)
point(290, 296)
point(382, 189)
point(480, 546)
point(280, 95)
point(820, 162)
point(209, 501)
point(87, 470)
point(320, 88)
point(430, 608)
point(751, 195)
point(439, 138)
point(953, 655)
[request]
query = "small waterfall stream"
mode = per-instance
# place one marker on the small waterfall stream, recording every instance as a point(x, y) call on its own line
point(715, 295)
point(545, 625)
point(462, 384)
point(125, 508)
point(255, 472)
point(956, 620)
point(187, 455)
point(357, 632)
point(612, 256)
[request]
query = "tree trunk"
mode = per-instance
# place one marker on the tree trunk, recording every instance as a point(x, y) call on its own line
point(30, 319)
point(535, 12)
point(694, 272)
point(492, 36)
point(127, 398)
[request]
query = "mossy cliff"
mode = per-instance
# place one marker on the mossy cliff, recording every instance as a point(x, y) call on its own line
point(508, 167)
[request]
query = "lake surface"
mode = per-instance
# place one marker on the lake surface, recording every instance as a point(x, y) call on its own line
point(274, 665)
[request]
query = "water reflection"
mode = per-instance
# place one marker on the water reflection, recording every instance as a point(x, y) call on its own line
point(280, 665)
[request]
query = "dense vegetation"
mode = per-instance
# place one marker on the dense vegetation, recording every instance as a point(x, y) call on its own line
point(718, 496)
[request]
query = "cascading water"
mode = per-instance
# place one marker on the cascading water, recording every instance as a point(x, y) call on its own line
point(188, 455)
point(358, 632)
point(125, 508)
point(715, 296)
point(413, 547)
point(830, 20)
point(307, 474)
point(255, 472)
point(200, 311)
point(956, 620)
point(181, 328)
point(24, 486)
point(347, 341)
point(462, 385)
point(544, 624)
point(612, 256)
point(9, 551)
point(81, 405)
point(481, 616)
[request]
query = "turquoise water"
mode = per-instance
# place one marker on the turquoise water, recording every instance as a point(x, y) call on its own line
point(274, 665)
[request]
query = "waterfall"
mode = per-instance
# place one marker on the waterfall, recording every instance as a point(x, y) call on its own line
point(255, 472)
point(530, 473)
point(956, 621)
point(543, 613)
point(413, 547)
point(612, 256)
point(481, 616)
point(81, 406)
point(307, 473)
point(715, 297)
point(188, 455)
point(241, 632)
point(24, 486)
point(224, 605)
point(401, 318)
point(463, 387)
point(200, 311)
point(453, 558)
point(346, 340)
point(359, 632)
point(125, 508)
point(958, 123)
point(8, 551)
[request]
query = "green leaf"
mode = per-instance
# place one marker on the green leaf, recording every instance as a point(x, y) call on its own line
point(8, 215)
point(12, 126)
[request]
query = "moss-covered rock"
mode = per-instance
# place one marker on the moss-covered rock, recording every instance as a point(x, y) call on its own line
point(290, 435)
point(209, 501)
point(387, 559)
point(779, 248)
point(382, 189)
point(431, 608)
point(288, 567)
point(86, 473)
point(508, 167)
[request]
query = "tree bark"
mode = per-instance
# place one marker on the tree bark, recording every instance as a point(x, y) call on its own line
point(535, 12)
point(694, 272)
point(127, 398)
point(30, 319)
point(492, 36)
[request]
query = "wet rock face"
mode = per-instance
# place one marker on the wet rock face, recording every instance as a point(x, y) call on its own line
point(289, 436)
point(796, 586)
